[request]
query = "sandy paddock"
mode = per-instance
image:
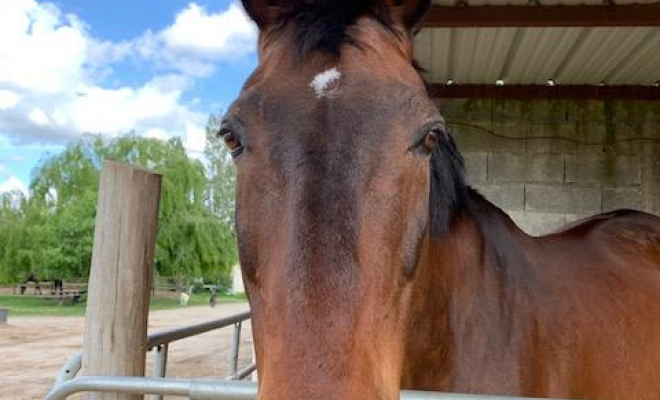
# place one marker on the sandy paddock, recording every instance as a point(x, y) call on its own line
point(33, 349)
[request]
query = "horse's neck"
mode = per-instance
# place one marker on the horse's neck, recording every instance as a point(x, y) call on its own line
point(469, 292)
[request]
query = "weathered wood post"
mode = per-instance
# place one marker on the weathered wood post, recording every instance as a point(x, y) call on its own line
point(120, 277)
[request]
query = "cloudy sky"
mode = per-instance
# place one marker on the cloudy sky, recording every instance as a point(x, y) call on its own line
point(74, 66)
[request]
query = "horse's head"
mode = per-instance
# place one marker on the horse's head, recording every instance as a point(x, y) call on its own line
point(331, 137)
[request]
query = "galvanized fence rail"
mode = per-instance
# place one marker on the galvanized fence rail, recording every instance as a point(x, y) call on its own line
point(230, 388)
point(67, 383)
point(226, 390)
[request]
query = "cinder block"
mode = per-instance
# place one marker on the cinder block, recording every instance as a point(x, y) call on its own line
point(650, 187)
point(450, 108)
point(589, 110)
point(508, 110)
point(538, 223)
point(510, 197)
point(525, 168)
point(591, 137)
point(603, 169)
point(488, 137)
point(507, 137)
point(476, 166)
point(632, 138)
point(546, 111)
point(563, 198)
point(548, 138)
point(636, 111)
point(615, 198)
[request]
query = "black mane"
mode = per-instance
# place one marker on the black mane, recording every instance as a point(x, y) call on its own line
point(449, 193)
point(322, 24)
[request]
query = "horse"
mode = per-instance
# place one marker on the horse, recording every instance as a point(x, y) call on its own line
point(371, 266)
point(184, 298)
point(58, 285)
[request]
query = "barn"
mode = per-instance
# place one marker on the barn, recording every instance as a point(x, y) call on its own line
point(555, 104)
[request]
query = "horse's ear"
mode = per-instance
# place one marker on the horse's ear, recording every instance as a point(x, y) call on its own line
point(409, 13)
point(262, 12)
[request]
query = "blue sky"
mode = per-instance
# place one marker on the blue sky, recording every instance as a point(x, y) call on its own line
point(74, 66)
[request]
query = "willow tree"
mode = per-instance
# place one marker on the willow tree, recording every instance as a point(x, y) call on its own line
point(12, 235)
point(58, 220)
point(222, 174)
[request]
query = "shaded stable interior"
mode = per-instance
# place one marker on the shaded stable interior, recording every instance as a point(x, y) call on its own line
point(554, 104)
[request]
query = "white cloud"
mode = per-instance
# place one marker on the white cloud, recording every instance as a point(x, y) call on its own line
point(13, 184)
point(195, 140)
point(38, 117)
point(52, 70)
point(8, 99)
point(196, 40)
point(200, 33)
point(43, 50)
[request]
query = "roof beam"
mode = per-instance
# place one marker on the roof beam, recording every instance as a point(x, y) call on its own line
point(531, 92)
point(543, 16)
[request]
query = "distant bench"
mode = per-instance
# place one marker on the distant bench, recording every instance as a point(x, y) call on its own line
point(67, 296)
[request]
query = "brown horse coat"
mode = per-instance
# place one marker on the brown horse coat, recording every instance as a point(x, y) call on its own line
point(371, 266)
point(570, 315)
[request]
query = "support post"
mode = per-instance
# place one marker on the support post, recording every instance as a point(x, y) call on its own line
point(235, 347)
point(160, 365)
point(120, 278)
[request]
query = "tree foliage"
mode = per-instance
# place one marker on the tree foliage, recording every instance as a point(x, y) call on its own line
point(51, 232)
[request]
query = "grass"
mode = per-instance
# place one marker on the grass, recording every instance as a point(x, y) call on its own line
point(35, 306)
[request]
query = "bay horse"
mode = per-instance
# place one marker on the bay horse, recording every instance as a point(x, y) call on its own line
point(369, 263)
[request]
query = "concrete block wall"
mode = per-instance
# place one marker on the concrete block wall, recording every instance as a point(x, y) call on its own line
point(549, 163)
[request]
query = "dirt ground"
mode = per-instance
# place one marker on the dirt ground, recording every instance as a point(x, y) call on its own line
point(33, 349)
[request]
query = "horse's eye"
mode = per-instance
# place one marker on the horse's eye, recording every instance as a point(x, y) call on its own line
point(428, 138)
point(431, 139)
point(231, 141)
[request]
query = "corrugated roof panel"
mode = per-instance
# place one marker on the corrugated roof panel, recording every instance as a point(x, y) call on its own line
point(534, 55)
point(440, 62)
point(504, 38)
point(581, 56)
point(483, 54)
point(643, 55)
point(555, 47)
point(523, 61)
point(600, 53)
point(465, 43)
point(590, 56)
point(648, 72)
point(422, 48)
point(622, 43)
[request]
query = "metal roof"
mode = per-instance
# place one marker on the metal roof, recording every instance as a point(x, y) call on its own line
point(540, 2)
point(615, 56)
point(535, 55)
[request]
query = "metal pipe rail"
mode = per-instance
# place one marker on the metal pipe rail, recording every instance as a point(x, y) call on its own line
point(159, 342)
point(166, 337)
point(227, 390)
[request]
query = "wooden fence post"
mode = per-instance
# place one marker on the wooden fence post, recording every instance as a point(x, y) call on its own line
point(121, 272)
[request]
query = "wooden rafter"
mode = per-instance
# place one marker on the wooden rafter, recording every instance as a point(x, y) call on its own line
point(529, 92)
point(543, 16)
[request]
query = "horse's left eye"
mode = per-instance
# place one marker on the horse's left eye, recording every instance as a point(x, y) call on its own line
point(232, 141)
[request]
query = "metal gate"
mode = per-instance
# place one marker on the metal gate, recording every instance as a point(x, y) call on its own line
point(230, 388)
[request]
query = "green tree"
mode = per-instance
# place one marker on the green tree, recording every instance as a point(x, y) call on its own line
point(51, 233)
point(222, 174)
